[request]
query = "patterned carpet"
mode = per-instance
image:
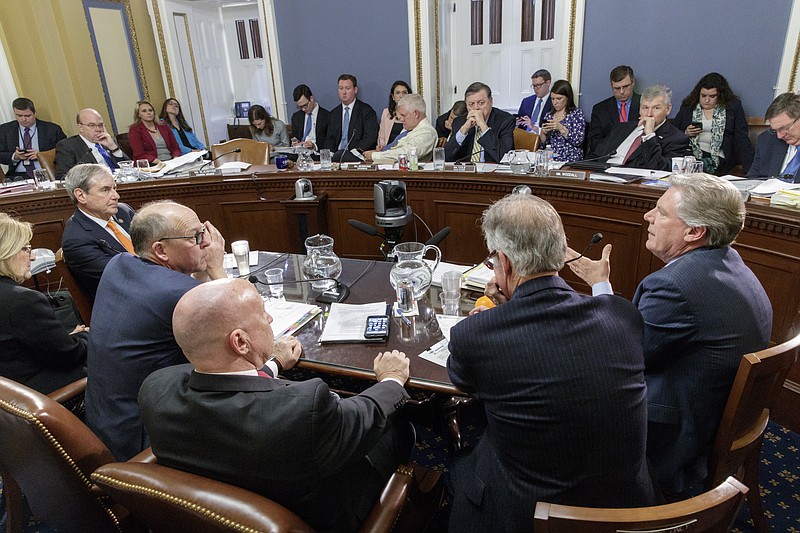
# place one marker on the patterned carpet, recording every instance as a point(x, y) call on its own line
point(780, 463)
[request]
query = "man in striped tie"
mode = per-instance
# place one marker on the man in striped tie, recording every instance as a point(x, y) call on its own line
point(99, 228)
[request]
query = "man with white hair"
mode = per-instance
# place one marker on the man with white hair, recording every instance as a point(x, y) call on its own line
point(651, 142)
point(702, 312)
point(417, 133)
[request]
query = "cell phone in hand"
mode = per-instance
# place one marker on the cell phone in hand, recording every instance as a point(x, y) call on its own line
point(697, 125)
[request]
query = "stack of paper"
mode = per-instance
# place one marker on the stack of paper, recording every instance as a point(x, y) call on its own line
point(477, 277)
point(346, 322)
point(442, 268)
point(289, 317)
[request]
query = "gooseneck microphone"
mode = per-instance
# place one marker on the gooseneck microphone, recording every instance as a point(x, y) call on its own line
point(104, 244)
point(338, 294)
point(438, 237)
point(597, 237)
point(609, 155)
point(234, 151)
point(365, 228)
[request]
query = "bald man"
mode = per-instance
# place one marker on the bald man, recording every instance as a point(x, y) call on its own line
point(297, 443)
point(132, 316)
point(93, 144)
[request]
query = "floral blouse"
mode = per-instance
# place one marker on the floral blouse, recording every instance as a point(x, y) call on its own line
point(569, 148)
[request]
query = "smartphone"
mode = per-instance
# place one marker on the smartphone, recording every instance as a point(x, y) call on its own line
point(377, 327)
point(697, 125)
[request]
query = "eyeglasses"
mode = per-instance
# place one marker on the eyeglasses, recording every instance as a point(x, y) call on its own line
point(198, 237)
point(490, 259)
point(783, 129)
point(93, 126)
point(538, 85)
point(27, 249)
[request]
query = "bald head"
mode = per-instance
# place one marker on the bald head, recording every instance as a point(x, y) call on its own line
point(222, 326)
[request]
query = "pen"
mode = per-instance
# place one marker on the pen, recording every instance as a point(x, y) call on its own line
point(406, 320)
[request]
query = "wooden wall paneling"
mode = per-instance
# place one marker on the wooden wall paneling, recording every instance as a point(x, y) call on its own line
point(261, 223)
point(348, 241)
point(465, 243)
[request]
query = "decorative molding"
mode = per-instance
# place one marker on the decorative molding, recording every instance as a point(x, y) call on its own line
point(418, 44)
point(163, 45)
point(185, 17)
point(795, 61)
point(275, 102)
point(438, 75)
point(571, 41)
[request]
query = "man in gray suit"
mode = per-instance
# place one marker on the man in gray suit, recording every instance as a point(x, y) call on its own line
point(702, 312)
point(561, 379)
point(297, 443)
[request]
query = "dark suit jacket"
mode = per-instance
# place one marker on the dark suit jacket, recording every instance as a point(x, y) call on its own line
point(88, 247)
point(560, 376)
point(770, 153)
point(496, 142)
point(526, 108)
point(702, 313)
point(293, 442)
point(323, 118)
point(736, 145)
point(441, 131)
point(143, 145)
point(655, 153)
point(363, 130)
point(605, 116)
point(73, 151)
point(35, 348)
point(48, 133)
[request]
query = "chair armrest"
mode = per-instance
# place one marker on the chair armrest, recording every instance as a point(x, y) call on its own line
point(145, 456)
point(392, 500)
point(69, 392)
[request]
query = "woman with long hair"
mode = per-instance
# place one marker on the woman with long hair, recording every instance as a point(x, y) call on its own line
point(151, 139)
point(564, 126)
point(391, 125)
point(172, 115)
point(265, 128)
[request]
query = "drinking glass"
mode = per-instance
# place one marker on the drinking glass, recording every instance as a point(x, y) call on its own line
point(450, 302)
point(451, 281)
point(241, 251)
point(275, 277)
point(325, 159)
point(438, 158)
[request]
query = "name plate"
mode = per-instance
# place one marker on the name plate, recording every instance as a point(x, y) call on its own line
point(462, 167)
point(569, 174)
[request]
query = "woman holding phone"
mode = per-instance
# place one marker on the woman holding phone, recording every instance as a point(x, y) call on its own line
point(563, 127)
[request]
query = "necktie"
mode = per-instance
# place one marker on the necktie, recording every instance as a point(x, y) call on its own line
point(535, 114)
point(394, 142)
point(345, 129)
point(106, 156)
point(123, 239)
point(476, 149)
point(26, 144)
point(637, 142)
point(623, 113)
point(308, 127)
point(263, 374)
point(794, 164)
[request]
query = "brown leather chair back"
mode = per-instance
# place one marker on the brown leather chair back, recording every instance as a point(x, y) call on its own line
point(525, 140)
point(253, 152)
point(712, 511)
point(169, 500)
point(2, 175)
point(47, 160)
point(50, 455)
point(82, 301)
point(125, 145)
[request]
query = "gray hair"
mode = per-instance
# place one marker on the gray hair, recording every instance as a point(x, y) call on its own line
point(528, 231)
point(654, 91)
point(150, 225)
point(710, 201)
point(788, 103)
point(413, 102)
point(82, 177)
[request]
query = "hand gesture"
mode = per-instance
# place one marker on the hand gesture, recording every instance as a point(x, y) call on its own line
point(215, 252)
point(392, 364)
point(591, 271)
point(649, 124)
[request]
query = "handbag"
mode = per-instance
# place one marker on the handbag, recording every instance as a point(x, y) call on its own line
point(64, 308)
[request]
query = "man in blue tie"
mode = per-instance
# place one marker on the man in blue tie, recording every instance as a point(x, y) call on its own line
point(535, 106)
point(418, 133)
point(93, 144)
point(310, 121)
point(353, 123)
point(777, 151)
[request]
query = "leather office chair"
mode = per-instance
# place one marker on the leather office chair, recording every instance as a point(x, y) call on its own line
point(82, 302)
point(125, 145)
point(712, 511)
point(440, 142)
point(253, 152)
point(525, 140)
point(49, 454)
point(167, 500)
point(2, 175)
point(47, 160)
point(737, 445)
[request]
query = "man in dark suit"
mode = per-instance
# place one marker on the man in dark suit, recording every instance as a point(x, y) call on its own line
point(533, 108)
point(310, 121)
point(323, 457)
point(100, 227)
point(131, 334)
point(777, 152)
point(651, 142)
point(493, 127)
point(622, 107)
point(353, 124)
point(702, 312)
point(444, 122)
point(560, 377)
point(22, 139)
point(93, 144)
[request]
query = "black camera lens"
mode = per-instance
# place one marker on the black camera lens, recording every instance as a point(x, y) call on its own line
point(397, 194)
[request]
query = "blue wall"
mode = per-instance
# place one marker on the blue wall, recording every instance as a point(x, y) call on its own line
point(677, 42)
point(321, 39)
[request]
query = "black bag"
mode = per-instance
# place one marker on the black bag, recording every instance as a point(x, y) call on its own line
point(64, 308)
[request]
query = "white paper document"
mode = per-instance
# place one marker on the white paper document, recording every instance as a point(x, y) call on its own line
point(446, 323)
point(346, 322)
point(643, 172)
point(773, 185)
point(437, 354)
point(288, 317)
point(442, 268)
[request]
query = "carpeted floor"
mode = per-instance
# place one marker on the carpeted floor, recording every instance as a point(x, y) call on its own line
point(779, 474)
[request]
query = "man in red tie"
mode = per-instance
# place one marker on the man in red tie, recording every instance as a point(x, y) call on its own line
point(295, 442)
point(100, 227)
point(621, 107)
point(22, 139)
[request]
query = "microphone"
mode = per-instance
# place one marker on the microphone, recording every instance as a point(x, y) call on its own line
point(104, 244)
point(439, 237)
point(346, 146)
point(466, 157)
point(234, 151)
point(597, 237)
point(341, 292)
point(365, 228)
point(609, 155)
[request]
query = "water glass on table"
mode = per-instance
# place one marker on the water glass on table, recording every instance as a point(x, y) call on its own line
point(325, 159)
point(451, 281)
point(450, 302)
point(241, 251)
point(438, 158)
point(275, 279)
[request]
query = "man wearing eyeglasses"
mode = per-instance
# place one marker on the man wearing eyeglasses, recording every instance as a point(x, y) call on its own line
point(22, 139)
point(622, 107)
point(560, 377)
point(535, 106)
point(776, 149)
point(132, 316)
point(310, 121)
point(100, 227)
point(93, 144)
